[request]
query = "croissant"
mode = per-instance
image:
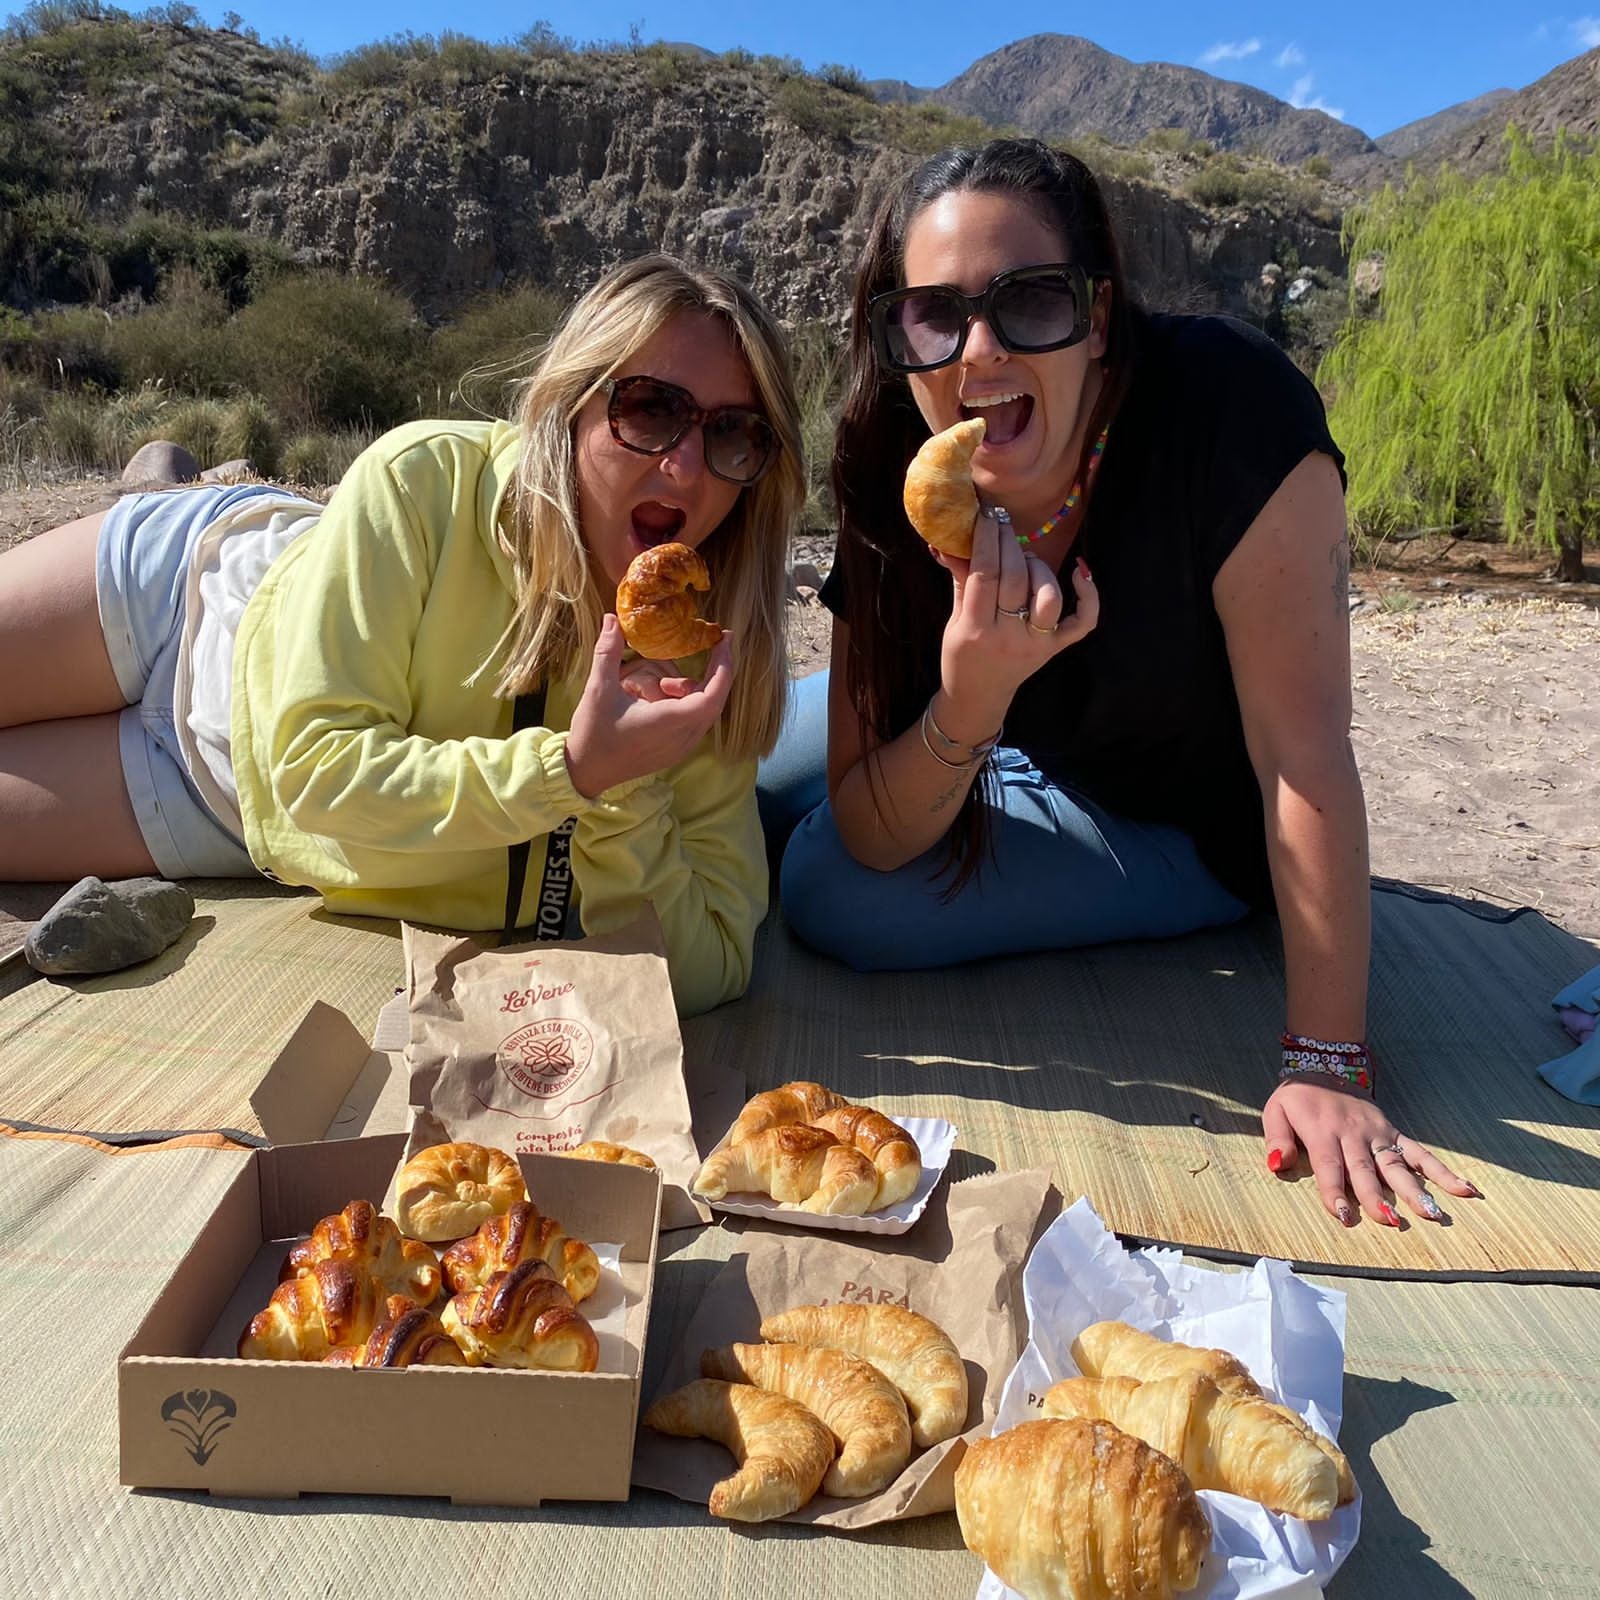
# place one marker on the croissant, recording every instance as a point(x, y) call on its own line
point(521, 1235)
point(408, 1336)
point(1236, 1443)
point(1076, 1510)
point(792, 1102)
point(893, 1151)
point(655, 608)
point(939, 497)
point(1114, 1350)
point(522, 1318)
point(601, 1150)
point(445, 1191)
point(335, 1303)
point(914, 1354)
point(785, 1163)
point(861, 1407)
point(848, 1186)
point(783, 1451)
point(359, 1234)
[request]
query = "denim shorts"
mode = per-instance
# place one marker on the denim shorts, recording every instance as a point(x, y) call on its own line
point(141, 567)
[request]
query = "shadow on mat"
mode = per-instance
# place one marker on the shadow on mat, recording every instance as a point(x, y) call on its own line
point(1391, 1556)
point(1163, 1033)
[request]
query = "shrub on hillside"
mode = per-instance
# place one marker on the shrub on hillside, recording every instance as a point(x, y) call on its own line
point(335, 351)
point(319, 460)
point(817, 109)
point(475, 359)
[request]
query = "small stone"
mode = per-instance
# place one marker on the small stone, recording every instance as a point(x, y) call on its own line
point(240, 470)
point(161, 461)
point(805, 594)
point(804, 575)
point(103, 927)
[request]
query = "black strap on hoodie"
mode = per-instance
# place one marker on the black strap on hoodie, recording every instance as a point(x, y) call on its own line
point(555, 887)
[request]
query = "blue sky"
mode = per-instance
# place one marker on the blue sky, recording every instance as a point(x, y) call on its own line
point(1378, 65)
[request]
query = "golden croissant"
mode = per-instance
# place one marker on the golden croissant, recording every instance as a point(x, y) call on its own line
point(847, 1187)
point(1238, 1443)
point(1077, 1510)
point(790, 1102)
point(783, 1451)
point(603, 1150)
point(1115, 1350)
point(522, 1234)
point(861, 1407)
point(656, 608)
point(361, 1235)
point(445, 1191)
point(408, 1336)
point(785, 1163)
point(335, 1303)
point(939, 497)
point(891, 1149)
point(914, 1354)
point(522, 1318)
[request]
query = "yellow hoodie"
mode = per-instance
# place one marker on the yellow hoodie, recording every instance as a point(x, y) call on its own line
point(369, 768)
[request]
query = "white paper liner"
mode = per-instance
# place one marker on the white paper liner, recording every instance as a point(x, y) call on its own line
point(935, 1138)
point(1288, 1332)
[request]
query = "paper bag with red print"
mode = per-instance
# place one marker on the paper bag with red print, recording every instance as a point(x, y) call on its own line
point(539, 1047)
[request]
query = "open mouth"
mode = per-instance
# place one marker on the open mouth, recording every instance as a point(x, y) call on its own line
point(1005, 416)
point(655, 523)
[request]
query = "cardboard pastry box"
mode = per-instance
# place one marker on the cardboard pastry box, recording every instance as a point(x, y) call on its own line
point(193, 1416)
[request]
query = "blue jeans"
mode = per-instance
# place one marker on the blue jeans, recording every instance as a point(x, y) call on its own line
point(1064, 871)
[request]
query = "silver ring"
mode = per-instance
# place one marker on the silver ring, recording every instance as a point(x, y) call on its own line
point(1022, 612)
point(1389, 1150)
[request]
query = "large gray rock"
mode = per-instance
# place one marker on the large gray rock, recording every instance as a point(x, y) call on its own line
point(103, 927)
point(161, 461)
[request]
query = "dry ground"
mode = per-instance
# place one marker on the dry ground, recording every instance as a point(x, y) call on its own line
point(1477, 695)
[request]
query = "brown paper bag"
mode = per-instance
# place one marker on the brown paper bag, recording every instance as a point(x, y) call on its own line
point(537, 1047)
point(962, 1267)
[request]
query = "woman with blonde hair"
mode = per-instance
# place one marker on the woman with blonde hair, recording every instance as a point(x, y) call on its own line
point(417, 700)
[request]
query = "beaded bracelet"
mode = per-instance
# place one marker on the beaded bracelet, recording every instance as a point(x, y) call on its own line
point(1350, 1062)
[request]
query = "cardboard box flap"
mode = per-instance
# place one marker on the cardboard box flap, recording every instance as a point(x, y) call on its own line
point(305, 1087)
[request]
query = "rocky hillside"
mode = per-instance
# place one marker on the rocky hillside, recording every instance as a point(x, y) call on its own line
point(1565, 101)
point(1410, 137)
point(448, 169)
point(1058, 86)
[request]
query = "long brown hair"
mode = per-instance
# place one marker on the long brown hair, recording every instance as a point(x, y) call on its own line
point(559, 609)
point(896, 600)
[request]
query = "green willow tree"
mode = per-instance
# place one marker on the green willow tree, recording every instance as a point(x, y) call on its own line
point(1474, 392)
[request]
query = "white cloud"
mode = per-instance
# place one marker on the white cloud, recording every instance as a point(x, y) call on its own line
point(1587, 30)
point(1302, 98)
point(1290, 56)
point(1229, 50)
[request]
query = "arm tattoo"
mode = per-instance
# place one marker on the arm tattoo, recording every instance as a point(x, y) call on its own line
point(1340, 557)
point(944, 799)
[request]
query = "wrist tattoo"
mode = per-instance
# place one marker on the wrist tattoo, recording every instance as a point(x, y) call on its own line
point(1340, 557)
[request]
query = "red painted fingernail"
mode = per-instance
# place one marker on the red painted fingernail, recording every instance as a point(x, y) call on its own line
point(1274, 1160)
point(1477, 1193)
point(1389, 1214)
point(1083, 567)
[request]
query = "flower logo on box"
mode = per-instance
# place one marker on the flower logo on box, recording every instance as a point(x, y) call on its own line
point(197, 1417)
point(546, 1058)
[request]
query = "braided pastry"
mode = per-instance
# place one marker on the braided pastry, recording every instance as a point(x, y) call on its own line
point(408, 1336)
point(360, 1235)
point(939, 497)
point(522, 1234)
point(892, 1151)
point(655, 607)
point(789, 1102)
point(522, 1318)
point(336, 1303)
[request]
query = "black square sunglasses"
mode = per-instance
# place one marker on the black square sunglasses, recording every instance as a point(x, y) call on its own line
point(1028, 309)
point(650, 416)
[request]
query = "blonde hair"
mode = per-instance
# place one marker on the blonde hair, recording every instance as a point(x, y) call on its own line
point(553, 631)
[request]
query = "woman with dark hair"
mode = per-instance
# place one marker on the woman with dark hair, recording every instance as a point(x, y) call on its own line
point(1127, 714)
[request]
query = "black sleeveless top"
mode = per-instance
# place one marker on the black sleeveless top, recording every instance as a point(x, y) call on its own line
point(1141, 716)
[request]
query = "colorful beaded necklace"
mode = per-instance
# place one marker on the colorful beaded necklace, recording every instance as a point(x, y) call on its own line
point(1050, 523)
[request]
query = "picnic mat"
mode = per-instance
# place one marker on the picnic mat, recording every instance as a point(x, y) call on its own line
point(180, 1042)
point(1137, 1073)
point(1472, 1420)
point(21, 905)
